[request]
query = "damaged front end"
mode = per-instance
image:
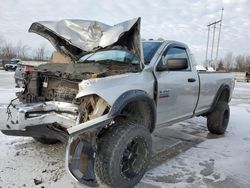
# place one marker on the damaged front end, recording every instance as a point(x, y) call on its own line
point(80, 159)
point(76, 38)
point(80, 154)
point(77, 125)
point(52, 101)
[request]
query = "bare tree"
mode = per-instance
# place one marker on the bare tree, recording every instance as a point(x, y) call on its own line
point(8, 51)
point(24, 51)
point(247, 63)
point(221, 65)
point(228, 61)
point(40, 53)
point(240, 63)
point(21, 50)
point(18, 49)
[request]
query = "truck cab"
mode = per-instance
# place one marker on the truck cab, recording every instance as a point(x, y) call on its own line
point(177, 82)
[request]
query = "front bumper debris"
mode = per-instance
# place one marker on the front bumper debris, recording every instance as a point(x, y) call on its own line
point(21, 116)
point(34, 119)
point(80, 159)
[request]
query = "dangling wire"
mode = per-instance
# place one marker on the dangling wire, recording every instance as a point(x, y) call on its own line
point(8, 108)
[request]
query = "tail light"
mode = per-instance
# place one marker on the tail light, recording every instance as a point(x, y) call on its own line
point(28, 68)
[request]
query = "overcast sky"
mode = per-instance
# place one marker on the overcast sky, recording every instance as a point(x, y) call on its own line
point(184, 21)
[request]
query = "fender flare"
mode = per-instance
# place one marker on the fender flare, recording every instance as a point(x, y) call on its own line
point(223, 87)
point(133, 96)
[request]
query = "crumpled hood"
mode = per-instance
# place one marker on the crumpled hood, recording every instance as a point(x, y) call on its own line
point(76, 38)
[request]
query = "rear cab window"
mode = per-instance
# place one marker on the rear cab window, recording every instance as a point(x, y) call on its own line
point(149, 49)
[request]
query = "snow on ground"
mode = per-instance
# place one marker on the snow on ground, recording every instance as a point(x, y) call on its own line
point(219, 161)
point(7, 89)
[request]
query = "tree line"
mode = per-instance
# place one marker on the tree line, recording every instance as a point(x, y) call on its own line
point(21, 51)
point(238, 63)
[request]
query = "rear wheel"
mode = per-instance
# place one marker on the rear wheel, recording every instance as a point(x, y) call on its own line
point(217, 120)
point(47, 141)
point(123, 155)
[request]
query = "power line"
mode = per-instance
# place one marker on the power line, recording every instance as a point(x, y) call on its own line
point(213, 25)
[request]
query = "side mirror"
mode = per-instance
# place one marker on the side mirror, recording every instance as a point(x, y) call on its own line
point(174, 65)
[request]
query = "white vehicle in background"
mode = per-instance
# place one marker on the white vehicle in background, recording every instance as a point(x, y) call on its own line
point(204, 69)
point(210, 69)
point(200, 68)
point(11, 65)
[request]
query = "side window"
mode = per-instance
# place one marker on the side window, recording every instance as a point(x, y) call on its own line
point(174, 53)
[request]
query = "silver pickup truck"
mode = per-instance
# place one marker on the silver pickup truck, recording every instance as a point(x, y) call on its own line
point(112, 94)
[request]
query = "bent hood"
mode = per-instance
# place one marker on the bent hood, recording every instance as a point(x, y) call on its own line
point(76, 38)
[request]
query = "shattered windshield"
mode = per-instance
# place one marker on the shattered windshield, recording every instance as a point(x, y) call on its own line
point(118, 56)
point(121, 56)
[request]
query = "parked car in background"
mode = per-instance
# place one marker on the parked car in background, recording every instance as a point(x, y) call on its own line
point(3, 62)
point(23, 68)
point(11, 65)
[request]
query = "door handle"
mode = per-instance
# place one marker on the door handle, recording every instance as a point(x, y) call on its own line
point(191, 79)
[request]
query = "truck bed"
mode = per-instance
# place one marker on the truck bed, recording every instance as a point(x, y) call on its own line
point(210, 82)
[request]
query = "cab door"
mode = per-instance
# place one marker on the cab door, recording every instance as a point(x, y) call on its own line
point(177, 85)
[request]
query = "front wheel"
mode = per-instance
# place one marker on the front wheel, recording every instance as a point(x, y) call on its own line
point(217, 120)
point(123, 155)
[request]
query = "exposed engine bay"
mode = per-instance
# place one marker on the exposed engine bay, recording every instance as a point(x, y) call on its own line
point(59, 82)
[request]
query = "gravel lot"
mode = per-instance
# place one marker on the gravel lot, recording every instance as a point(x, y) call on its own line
point(186, 155)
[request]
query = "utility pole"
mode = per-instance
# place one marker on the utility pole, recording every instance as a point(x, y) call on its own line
point(208, 34)
point(212, 50)
point(213, 24)
point(218, 43)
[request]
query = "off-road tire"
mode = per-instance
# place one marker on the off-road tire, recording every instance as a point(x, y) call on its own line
point(113, 148)
point(46, 141)
point(217, 120)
